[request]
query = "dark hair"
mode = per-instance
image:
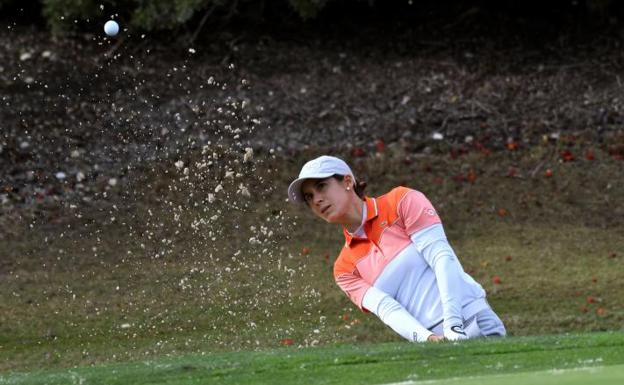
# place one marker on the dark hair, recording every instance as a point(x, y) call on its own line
point(358, 187)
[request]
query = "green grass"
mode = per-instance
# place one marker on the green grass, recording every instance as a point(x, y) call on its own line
point(609, 375)
point(519, 360)
point(544, 289)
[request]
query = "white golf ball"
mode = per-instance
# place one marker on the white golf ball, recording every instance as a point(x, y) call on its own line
point(111, 28)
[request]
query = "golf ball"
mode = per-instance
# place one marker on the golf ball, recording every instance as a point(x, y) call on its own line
point(111, 28)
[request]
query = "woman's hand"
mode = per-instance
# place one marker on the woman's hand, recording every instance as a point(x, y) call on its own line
point(435, 338)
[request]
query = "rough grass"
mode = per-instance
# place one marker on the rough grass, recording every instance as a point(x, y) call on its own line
point(517, 360)
point(104, 283)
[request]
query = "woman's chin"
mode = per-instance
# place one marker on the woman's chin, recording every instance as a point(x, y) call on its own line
point(326, 218)
point(331, 219)
point(331, 216)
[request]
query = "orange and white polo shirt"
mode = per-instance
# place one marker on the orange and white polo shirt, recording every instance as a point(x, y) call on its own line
point(391, 254)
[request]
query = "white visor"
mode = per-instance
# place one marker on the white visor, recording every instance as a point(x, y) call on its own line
point(319, 168)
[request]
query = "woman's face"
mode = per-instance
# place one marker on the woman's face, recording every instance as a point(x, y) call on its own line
point(328, 198)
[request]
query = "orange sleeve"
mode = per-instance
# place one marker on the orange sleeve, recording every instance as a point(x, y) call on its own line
point(355, 288)
point(348, 279)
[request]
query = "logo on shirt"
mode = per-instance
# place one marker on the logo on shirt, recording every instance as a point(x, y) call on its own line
point(430, 212)
point(383, 224)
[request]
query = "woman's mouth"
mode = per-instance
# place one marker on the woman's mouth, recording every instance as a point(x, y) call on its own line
point(324, 210)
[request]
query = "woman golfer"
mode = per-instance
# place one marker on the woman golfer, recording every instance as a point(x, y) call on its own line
point(396, 261)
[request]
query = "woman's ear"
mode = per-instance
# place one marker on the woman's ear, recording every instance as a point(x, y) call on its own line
point(348, 182)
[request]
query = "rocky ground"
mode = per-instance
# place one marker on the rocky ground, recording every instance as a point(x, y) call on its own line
point(79, 112)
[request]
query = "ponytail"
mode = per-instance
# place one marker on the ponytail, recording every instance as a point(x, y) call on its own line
point(359, 188)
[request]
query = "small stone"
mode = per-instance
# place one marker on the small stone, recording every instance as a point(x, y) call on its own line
point(112, 182)
point(248, 155)
point(25, 56)
point(60, 175)
point(244, 190)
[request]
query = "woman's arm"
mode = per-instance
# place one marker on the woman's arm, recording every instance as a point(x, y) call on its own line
point(435, 249)
point(423, 225)
point(393, 314)
point(370, 299)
